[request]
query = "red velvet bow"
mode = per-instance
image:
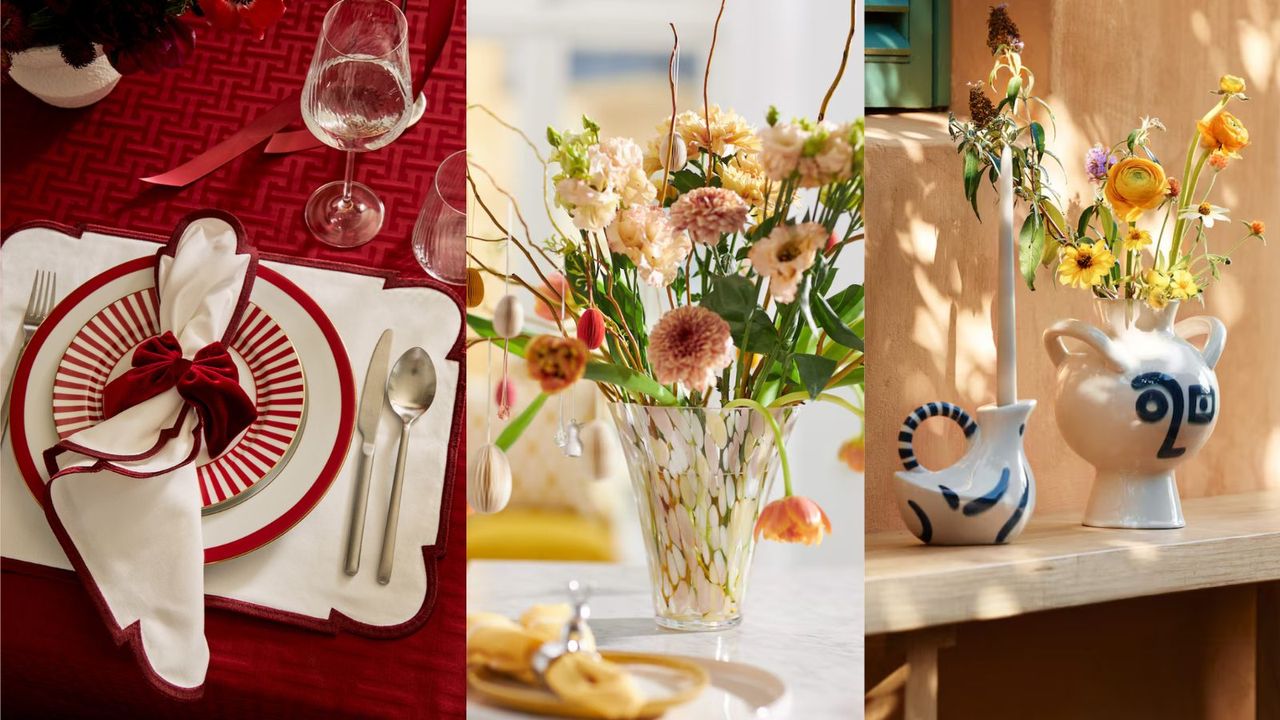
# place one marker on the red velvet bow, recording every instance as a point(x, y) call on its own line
point(209, 381)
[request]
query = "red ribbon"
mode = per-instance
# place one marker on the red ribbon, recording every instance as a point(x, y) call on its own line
point(268, 125)
point(209, 382)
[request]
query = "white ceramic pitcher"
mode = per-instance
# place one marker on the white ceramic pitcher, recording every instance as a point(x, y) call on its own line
point(1136, 401)
point(984, 498)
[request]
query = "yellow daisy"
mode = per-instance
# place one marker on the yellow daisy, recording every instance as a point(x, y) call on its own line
point(1084, 266)
point(1182, 285)
point(1137, 239)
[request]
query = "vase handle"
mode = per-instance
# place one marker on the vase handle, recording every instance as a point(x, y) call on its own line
point(906, 436)
point(1087, 334)
point(1204, 325)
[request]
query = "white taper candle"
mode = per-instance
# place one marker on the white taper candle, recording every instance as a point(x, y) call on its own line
point(1006, 333)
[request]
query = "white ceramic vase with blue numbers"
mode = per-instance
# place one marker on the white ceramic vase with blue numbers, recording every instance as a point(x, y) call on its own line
point(1136, 399)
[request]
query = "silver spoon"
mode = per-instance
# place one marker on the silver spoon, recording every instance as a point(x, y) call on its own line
point(411, 388)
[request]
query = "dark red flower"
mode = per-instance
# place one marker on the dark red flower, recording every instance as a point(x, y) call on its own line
point(13, 26)
point(169, 48)
point(257, 15)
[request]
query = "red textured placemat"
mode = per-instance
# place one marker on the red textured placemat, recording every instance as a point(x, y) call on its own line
point(81, 166)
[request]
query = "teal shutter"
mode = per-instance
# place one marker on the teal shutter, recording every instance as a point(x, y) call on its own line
point(908, 56)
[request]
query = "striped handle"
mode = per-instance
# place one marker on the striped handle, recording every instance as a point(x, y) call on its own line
point(906, 451)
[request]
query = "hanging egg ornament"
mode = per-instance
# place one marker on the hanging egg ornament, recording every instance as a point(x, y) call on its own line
point(679, 154)
point(489, 486)
point(591, 328)
point(508, 317)
point(598, 450)
point(475, 288)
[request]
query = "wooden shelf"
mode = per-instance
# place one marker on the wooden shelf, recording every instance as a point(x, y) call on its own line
point(1057, 563)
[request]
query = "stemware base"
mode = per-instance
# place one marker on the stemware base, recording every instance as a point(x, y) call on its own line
point(343, 224)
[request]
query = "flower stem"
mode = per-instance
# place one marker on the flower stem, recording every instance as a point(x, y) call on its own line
point(777, 437)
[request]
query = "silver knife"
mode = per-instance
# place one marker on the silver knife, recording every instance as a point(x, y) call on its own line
point(372, 400)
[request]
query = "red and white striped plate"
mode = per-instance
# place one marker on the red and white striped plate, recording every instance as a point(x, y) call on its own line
point(269, 370)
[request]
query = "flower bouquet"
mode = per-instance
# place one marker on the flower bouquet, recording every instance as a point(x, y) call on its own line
point(697, 288)
point(1140, 246)
point(44, 44)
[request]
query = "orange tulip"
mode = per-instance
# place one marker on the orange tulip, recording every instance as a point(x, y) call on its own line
point(793, 519)
point(854, 454)
point(556, 362)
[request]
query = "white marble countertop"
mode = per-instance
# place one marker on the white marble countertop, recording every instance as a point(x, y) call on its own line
point(802, 623)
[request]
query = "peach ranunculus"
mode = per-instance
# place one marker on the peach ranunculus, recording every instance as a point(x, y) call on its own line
point(1223, 132)
point(793, 519)
point(1135, 185)
point(556, 289)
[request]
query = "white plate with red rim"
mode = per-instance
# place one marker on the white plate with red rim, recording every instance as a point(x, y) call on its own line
point(272, 476)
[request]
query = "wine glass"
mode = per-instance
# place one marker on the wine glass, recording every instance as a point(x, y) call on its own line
point(357, 98)
point(440, 235)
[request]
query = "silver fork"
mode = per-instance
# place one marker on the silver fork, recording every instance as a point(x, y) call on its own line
point(44, 290)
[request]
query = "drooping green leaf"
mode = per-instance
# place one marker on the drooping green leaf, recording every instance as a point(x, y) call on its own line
point(836, 328)
point(629, 379)
point(1031, 247)
point(1037, 136)
point(514, 429)
point(1083, 227)
point(1052, 215)
point(972, 179)
point(815, 372)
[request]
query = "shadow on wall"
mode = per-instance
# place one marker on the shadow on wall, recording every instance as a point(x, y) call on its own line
point(931, 263)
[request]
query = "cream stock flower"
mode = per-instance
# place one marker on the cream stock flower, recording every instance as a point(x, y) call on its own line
point(644, 234)
point(780, 149)
point(591, 209)
point(617, 164)
point(784, 254)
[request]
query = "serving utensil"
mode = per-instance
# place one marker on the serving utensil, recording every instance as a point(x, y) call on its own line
point(372, 400)
point(44, 290)
point(571, 638)
point(411, 388)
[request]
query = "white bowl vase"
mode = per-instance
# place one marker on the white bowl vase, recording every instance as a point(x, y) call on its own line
point(43, 73)
point(1136, 401)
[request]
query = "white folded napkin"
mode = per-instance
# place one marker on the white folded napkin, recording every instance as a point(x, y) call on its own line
point(124, 499)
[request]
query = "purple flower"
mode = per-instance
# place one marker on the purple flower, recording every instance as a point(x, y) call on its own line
point(1097, 162)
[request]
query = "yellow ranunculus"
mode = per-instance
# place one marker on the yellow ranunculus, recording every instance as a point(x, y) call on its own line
point(1224, 132)
point(1135, 185)
point(1231, 84)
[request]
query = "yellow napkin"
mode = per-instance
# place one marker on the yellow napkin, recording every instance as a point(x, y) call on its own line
point(583, 678)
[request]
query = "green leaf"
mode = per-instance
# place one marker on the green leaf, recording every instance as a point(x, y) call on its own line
point(1031, 248)
point(815, 372)
point(972, 178)
point(512, 432)
point(848, 303)
point(836, 328)
point(1051, 212)
point(733, 298)
point(1037, 136)
point(1083, 227)
point(630, 380)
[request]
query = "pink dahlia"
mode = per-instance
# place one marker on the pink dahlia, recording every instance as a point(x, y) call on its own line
point(690, 345)
point(708, 212)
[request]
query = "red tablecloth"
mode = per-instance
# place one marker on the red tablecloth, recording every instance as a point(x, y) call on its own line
point(81, 166)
